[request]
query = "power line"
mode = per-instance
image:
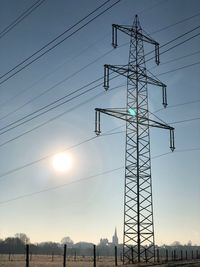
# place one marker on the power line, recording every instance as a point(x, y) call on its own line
point(50, 155)
point(75, 73)
point(44, 112)
point(178, 58)
point(159, 30)
point(180, 68)
point(176, 23)
point(49, 73)
point(55, 117)
point(49, 89)
point(86, 178)
point(175, 39)
point(45, 46)
point(176, 46)
point(49, 120)
point(57, 84)
point(176, 151)
point(152, 33)
point(21, 17)
point(60, 186)
point(23, 121)
point(151, 7)
point(186, 120)
point(58, 43)
point(177, 105)
point(83, 142)
point(180, 36)
point(55, 44)
point(188, 39)
point(9, 129)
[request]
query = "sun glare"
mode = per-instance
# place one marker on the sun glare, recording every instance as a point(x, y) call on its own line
point(62, 162)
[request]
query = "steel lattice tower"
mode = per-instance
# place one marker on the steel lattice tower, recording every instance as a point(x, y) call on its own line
point(138, 241)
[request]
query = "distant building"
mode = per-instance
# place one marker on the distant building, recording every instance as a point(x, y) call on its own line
point(115, 238)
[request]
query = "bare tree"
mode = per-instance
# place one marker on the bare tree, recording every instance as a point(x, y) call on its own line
point(68, 241)
point(23, 237)
point(176, 244)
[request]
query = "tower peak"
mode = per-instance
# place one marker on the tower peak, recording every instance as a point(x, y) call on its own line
point(136, 22)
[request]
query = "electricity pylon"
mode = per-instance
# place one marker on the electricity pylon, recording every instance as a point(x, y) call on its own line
point(138, 239)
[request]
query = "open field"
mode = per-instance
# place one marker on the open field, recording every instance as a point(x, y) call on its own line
point(57, 261)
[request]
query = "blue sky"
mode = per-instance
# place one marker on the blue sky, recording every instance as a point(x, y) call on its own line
point(91, 209)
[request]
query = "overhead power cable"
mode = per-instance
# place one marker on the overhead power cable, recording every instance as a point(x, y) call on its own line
point(81, 69)
point(159, 30)
point(60, 186)
point(181, 35)
point(58, 43)
point(71, 59)
point(86, 178)
point(175, 39)
point(184, 41)
point(180, 68)
point(21, 17)
point(78, 144)
point(68, 100)
point(56, 85)
point(177, 58)
point(151, 7)
point(49, 89)
point(32, 115)
point(186, 120)
point(109, 132)
point(51, 106)
point(170, 42)
point(176, 23)
point(177, 151)
point(177, 105)
point(57, 116)
point(29, 130)
point(180, 43)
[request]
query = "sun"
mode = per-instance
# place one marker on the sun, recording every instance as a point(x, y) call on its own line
point(62, 162)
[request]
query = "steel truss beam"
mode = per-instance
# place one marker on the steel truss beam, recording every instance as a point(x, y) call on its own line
point(138, 240)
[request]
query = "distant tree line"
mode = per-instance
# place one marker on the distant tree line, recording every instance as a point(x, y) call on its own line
point(16, 245)
point(178, 251)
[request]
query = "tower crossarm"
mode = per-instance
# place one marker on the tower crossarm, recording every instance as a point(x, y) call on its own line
point(123, 70)
point(120, 69)
point(131, 31)
point(135, 31)
point(158, 124)
point(126, 115)
point(139, 75)
point(150, 80)
point(143, 77)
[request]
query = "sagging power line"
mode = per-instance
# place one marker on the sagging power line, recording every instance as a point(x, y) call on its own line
point(31, 114)
point(21, 17)
point(86, 178)
point(52, 87)
point(58, 43)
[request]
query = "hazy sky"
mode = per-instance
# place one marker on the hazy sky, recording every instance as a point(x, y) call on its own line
point(92, 208)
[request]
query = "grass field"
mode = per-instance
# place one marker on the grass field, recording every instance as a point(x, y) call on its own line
point(57, 261)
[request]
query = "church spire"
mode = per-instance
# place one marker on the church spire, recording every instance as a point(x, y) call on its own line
point(115, 238)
